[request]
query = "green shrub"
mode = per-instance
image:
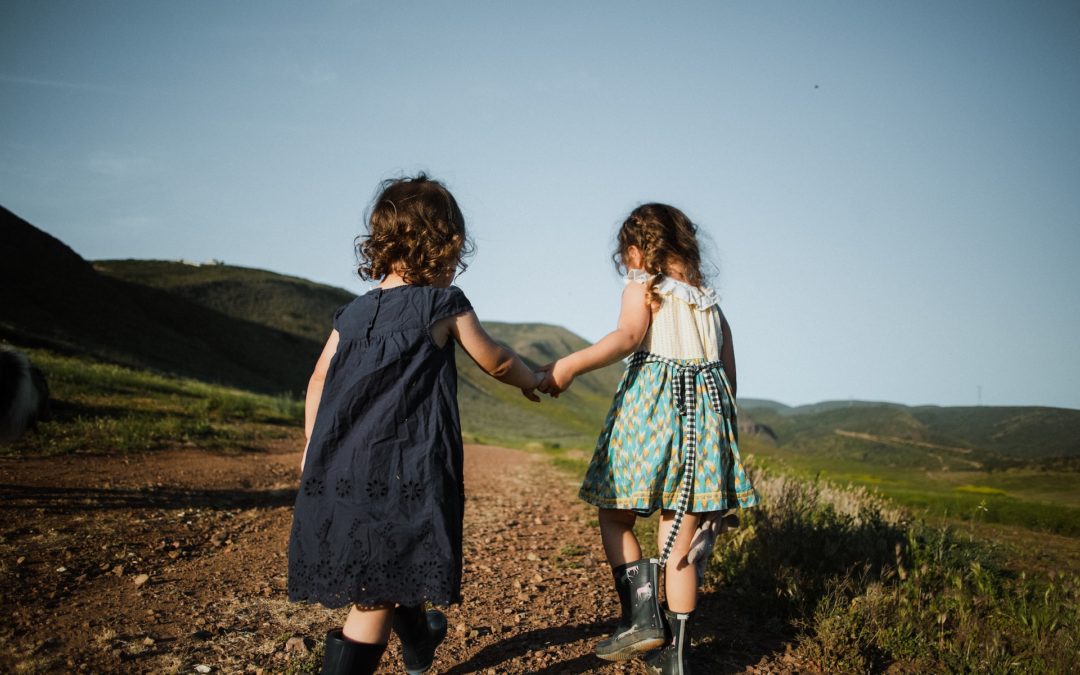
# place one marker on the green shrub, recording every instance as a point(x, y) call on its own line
point(863, 589)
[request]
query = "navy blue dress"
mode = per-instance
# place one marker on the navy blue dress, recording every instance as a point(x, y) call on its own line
point(378, 516)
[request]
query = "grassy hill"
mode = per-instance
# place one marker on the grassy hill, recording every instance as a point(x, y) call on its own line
point(985, 432)
point(289, 304)
point(52, 298)
point(490, 410)
point(257, 330)
point(1011, 465)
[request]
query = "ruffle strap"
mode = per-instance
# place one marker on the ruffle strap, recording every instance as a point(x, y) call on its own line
point(702, 298)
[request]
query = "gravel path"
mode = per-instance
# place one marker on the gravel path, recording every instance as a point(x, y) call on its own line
point(175, 562)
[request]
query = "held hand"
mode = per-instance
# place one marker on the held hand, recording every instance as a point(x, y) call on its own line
point(545, 384)
point(531, 393)
point(560, 375)
point(544, 373)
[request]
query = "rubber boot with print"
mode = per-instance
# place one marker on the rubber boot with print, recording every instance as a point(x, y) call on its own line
point(641, 626)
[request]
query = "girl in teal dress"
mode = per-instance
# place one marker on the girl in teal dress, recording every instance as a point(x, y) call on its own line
point(670, 439)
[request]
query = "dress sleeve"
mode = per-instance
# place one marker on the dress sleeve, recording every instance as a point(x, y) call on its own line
point(448, 302)
point(337, 316)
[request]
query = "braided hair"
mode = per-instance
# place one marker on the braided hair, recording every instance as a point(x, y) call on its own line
point(665, 236)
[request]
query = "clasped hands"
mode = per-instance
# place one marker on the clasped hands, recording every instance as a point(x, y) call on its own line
point(552, 379)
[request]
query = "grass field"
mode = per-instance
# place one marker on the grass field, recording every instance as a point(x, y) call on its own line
point(105, 408)
point(1043, 500)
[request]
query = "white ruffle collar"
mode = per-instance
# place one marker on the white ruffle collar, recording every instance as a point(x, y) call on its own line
point(702, 298)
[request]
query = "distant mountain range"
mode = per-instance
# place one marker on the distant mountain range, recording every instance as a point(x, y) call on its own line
point(965, 433)
point(263, 331)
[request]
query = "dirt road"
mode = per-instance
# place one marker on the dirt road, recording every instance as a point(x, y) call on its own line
point(175, 562)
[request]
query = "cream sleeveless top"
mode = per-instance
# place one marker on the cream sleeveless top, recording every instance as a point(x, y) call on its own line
point(687, 325)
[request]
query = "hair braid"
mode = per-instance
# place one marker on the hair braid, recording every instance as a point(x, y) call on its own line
point(666, 239)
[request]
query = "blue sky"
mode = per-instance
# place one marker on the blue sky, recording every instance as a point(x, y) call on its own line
point(891, 191)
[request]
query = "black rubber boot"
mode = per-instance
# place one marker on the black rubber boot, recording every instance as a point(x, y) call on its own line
point(420, 633)
point(346, 657)
point(641, 626)
point(671, 660)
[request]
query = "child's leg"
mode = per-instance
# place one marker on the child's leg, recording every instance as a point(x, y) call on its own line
point(370, 625)
point(617, 532)
point(680, 579)
point(640, 627)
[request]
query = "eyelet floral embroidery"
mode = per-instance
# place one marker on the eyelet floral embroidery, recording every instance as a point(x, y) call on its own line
point(349, 571)
point(313, 487)
point(344, 487)
point(412, 490)
point(323, 569)
point(386, 531)
point(360, 581)
point(376, 489)
point(375, 573)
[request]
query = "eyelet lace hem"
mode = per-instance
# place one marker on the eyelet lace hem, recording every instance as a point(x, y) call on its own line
point(374, 584)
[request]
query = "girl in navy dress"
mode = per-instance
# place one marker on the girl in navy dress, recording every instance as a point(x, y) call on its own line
point(378, 518)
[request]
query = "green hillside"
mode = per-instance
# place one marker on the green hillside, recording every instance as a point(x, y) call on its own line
point(490, 410)
point(1017, 466)
point(987, 432)
point(50, 297)
point(252, 329)
point(762, 404)
point(290, 304)
point(1026, 432)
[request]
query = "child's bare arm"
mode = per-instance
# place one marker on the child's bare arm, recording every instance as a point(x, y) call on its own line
point(634, 318)
point(493, 358)
point(727, 352)
point(315, 387)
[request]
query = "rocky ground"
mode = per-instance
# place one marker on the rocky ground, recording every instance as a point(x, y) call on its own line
point(175, 562)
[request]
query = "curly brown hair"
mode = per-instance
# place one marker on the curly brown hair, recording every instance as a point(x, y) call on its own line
point(665, 236)
point(416, 230)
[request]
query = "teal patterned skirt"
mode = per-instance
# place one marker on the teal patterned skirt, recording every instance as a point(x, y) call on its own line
point(639, 459)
